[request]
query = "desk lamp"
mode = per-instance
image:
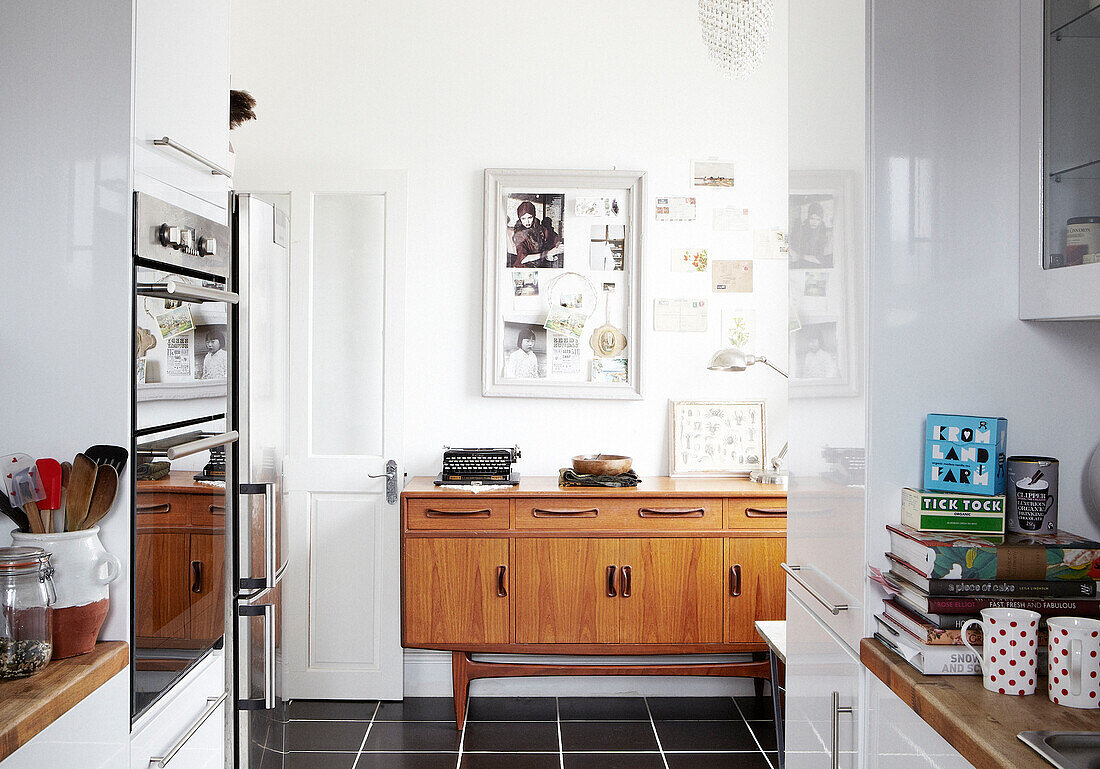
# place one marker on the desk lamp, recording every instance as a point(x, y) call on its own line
point(733, 359)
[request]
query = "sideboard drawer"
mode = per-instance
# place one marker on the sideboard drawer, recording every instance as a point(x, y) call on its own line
point(449, 514)
point(763, 513)
point(159, 508)
point(618, 514)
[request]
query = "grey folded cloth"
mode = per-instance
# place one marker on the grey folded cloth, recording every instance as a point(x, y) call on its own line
point(570, 477)
point(153, 471)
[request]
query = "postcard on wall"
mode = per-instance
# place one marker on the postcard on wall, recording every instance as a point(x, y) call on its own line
point(739, 330)
point(731, 219)
point(525, 291)
point(689, 260)
point(677, 209)
point(534, 232)
point(141, 370)
point(684, 315)
point(607, 247)
point(816, 284)
point(174, 322)
point(565, 356)
point(610, 370)
point(731, 275)
point(769, 244)
point(715, 438)
point(563, 320)
point(596, 206)
point(713, 174)
point(178, 356)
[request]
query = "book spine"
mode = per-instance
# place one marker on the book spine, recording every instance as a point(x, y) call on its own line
point(1013, 588)
point(973, 604)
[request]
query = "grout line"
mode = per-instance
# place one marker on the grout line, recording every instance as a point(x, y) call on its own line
point(363, 744)
point(462, 735)
point(653, 726)
point(752, 734)
point(561, 748)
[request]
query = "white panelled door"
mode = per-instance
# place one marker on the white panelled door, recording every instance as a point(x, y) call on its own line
point(341, 619)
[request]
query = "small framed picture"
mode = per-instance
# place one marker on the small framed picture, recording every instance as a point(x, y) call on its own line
point(715, 438)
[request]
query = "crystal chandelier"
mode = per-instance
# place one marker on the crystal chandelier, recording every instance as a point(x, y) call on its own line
point(736, 33)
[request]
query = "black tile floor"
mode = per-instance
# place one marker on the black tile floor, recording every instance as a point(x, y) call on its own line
point(532, 733)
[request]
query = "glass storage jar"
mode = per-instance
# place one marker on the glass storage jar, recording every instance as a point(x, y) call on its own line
point(26, 594)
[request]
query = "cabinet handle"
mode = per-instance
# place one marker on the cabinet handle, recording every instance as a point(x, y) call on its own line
point(538, 512)
point(215, 509)
point(735, 580)
point(444, 513)
point(214, 167)
point(624, 581)
point(793, 572)
point(502, 587)
point(611, 582)
point(155, 509)
point(267, 611)
point(764, 512)
point(196, 576)
point(270, 534)
point(212, 704)
point(682, 512)
point(837, 711)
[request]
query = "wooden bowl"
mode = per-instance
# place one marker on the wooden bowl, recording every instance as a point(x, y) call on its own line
point(601, 464)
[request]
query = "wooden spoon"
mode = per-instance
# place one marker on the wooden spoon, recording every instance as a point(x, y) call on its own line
point(81, 486)
point(103, 496)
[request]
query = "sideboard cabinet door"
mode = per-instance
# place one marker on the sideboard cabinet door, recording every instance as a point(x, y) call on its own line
point(755, 584)
point(671, 590)
point(457, 591)
point(567, 591)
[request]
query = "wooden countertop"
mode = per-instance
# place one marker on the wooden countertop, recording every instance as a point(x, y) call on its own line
point(981, 725)
point(179, 481)
point(29, 705)
point(652, 486)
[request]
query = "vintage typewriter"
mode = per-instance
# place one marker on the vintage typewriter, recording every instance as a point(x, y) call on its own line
point(464, 467)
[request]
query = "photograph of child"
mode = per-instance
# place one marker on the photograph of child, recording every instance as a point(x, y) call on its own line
point(524, 351)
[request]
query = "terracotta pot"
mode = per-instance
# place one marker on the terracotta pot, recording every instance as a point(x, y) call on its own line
point(82, 572)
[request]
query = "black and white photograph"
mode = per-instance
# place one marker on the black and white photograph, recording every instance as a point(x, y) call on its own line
point(811, 236)
point(524, 350)
point(535, 234)
point(815, 351)
point(713, 173)
point(607, 249)
point(211, 358)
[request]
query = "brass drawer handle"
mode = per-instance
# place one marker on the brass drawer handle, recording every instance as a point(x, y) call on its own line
point(763, 512)
point(624, 581)
point(538, 512)
point(679, 512)
point(611, 582)
point(735, 580)
point(164, 508)
point(483, 513)
point(502, 587)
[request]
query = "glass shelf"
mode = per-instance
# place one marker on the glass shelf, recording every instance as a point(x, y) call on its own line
point(1086, 24)
point(1089, 170)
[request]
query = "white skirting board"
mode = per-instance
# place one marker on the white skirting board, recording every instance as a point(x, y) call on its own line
point(428, 674)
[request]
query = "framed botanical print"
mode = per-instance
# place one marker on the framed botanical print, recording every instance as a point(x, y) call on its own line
point(563, 283)
point(715, 438)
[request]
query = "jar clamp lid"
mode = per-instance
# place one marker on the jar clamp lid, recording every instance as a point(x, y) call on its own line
point(19, 558)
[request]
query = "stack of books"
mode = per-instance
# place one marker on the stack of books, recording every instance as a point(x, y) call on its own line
point(939, 581)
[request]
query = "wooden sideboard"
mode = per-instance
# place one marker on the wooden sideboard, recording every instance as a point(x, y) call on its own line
point(674, 566)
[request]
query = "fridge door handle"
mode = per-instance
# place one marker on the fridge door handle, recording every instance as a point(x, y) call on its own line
point(266, 702)
point(270, 537)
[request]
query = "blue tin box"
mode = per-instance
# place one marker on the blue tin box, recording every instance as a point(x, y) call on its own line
point(965, 454)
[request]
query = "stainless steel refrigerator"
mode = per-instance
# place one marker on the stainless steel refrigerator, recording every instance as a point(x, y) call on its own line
point(259, 414)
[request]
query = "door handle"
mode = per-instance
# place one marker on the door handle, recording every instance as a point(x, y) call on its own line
point(611, 582)
point(624, 581)
point(837, 711)
point(793, 572)
point(735, 580)
point(266, 702)
point(270, 535)
point(391, 481)
point(196, 577)
point(502, 586)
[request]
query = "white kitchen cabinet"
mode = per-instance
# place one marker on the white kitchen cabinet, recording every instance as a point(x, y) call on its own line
point(823, 687)
point(192, 717)
point(897, 737)
point(181, 91)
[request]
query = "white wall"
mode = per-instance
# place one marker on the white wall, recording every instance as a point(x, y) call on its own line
point(445, 90)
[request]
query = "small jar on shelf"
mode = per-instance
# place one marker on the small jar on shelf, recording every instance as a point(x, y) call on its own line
point(26, 595)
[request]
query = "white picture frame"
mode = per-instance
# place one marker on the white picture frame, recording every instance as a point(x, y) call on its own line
point(716, 439)
point(573, 205)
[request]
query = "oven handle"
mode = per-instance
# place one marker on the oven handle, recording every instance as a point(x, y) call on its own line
point(202, 444)
point(214, 167)
point(186, 292)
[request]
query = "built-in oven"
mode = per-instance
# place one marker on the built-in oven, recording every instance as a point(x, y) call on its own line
point(183, 379)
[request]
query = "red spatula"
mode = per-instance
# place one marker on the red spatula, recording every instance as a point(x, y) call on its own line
point(49, 472)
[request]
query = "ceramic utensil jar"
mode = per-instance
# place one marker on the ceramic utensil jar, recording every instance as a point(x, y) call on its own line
point(26, 593)
point(1074, 662)
point(83, 572)
point(1009, 651)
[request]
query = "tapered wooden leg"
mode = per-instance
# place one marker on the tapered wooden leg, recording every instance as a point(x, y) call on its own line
point(758, 683)
point(460, 672)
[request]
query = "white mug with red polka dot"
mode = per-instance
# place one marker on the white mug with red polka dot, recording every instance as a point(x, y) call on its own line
point(1074, 662)
point(1011, 651)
